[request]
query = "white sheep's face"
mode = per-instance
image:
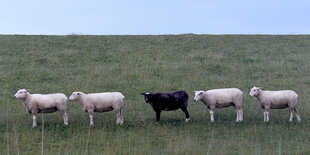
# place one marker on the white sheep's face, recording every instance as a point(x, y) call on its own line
point(74, 96)
point(21, 93)
point(254, 91)
point(198, 95)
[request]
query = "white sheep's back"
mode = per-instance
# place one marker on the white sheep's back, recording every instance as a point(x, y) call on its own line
point(280, 95)
point(223, 95)
point(48, 100)
point(223, 91)
point(107, 97)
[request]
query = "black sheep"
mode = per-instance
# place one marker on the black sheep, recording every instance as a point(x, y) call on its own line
point(168, 102)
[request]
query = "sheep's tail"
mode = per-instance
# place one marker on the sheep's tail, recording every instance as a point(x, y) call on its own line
point(123, 97)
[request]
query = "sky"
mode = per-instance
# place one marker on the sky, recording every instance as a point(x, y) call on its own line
point(154, 17)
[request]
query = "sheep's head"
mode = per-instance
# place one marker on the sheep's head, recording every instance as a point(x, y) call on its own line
point(146, 97)
point(198, 95)
point(22, 93)
point(74, 96)
point(254, 91)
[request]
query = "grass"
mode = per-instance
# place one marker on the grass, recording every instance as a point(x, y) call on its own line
point(135, 64)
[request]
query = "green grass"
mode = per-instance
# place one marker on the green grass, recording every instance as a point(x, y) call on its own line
point(135, 64)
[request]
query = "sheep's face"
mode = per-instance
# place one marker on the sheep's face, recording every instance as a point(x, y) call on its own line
point(198, 95)
point(74, 96)
point(146, 97)
point(254, 91)
point(22, 93)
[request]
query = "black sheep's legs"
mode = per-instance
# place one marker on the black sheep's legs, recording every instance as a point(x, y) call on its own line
point(186, 113)
point(158, 116)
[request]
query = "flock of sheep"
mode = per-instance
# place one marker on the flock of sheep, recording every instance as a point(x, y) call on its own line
point(108, 101)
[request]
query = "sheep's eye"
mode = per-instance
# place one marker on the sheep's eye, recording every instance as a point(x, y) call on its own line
point(20, 92)
point(254, 90)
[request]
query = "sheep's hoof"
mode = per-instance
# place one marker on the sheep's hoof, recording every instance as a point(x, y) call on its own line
point(119, 124)
point(187, 120)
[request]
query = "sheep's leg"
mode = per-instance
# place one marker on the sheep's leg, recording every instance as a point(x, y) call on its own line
point(297, 114)
point(239, 114)
point(291, 114)
point(267, 116)
point(266, 109)
point(183, 108)
point(65, 116)
point(264, 115)
point(118, 117)
point(158, 116)
point(91, 115)
point(34, 122)
point(237, 119)
point(121, 116)
point(212, 115)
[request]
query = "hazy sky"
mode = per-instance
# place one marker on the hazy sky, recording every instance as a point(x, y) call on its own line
point(101, 17)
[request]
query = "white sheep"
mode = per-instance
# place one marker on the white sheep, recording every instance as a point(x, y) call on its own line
point(276, 100)
point(221, 98)
point(100, 102)
point(43, 103)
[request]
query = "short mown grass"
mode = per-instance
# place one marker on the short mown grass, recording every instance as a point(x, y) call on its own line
point(135, 64)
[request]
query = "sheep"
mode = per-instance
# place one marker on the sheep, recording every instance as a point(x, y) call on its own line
point(168, 102)
point(43, 103)
point(221, 98)
point(276, 100)
point(100, 102)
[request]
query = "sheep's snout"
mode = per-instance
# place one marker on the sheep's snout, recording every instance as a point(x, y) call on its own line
point(71, 98)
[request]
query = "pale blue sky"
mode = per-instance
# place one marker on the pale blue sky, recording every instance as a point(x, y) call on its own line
point(106, 17)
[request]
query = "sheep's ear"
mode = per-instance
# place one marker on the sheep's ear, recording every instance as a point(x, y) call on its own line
point(27, 90)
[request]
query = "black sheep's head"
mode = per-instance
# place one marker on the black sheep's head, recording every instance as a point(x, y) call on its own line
point(146, 97)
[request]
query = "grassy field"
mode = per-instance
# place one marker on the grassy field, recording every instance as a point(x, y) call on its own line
point(135, 64)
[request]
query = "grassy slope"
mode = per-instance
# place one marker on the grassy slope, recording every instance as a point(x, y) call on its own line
point(134, 64)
